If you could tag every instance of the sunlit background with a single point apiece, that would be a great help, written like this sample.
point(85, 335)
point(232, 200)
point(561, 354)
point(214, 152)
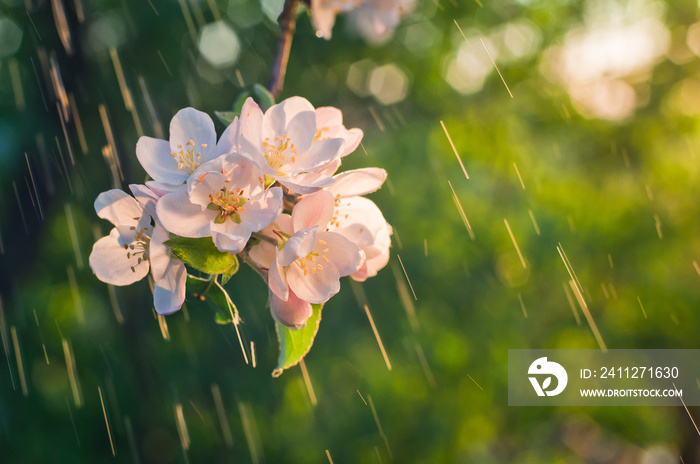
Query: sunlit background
point(576, 123)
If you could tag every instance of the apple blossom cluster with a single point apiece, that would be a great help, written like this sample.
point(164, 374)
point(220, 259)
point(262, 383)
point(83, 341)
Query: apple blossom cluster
point(373, 19)
point(267, 192)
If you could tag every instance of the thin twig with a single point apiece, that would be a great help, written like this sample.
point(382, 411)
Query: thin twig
point(287, 21)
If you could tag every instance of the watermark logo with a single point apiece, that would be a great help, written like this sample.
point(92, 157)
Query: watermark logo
point(541, 368)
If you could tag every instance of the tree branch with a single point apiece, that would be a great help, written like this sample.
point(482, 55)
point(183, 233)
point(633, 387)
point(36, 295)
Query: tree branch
point(287, 22)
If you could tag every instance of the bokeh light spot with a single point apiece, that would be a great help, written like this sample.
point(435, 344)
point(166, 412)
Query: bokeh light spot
point(219, 44)
point(10, 37)
point(389, 84)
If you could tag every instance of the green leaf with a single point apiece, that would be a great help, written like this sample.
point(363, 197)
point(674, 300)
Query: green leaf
point(263, 96)
point(294, 344)
point(226, 276)
point(205, 293)
point(240, 101)
point(201, 254)
point(226, 117)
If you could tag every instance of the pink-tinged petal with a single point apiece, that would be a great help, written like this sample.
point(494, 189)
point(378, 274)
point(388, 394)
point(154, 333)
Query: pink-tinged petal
point(345, 255)
point(315, 287)
point(330, 168)
point(362, 274)
point(161, 189)
point(299, 245)
point(180, 217)
point(157, 160)
point(277, 280)
point(313, 210)
point(327, 117)
point(323, 18)
point(306, 183)
point(251, 121)
point(358, 182)
point(360, 221)
point(169, 292)
point(118, 207)
point(263, 254)
point(158, 253)
point(228, 143)
point(228, 242)
point(318, 155)
point(193, 125)
point(111, 263)
point(261, 211)
point(292, 313)
point(370, 267)
point(282, 223)
point(353, 138)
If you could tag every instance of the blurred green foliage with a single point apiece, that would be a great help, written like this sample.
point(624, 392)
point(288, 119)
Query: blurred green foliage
point(620, 196)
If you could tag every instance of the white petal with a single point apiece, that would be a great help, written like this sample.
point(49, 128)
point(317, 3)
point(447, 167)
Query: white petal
point(300, 244)
point(318, 155)
point(159, 254)
point(306, 183)
point(330, 168)
point(260, 212)
point(146, 198)
point(161, 189)
point(251, 121)
point(345, 255)
point(228, 143)
point(179, 216)
point(118, 207)
point(253, 150)
point(277, 280)
point(277, 119)
point(228, 242)
point(314, 287)
point(110, 263)
point(358, 182)
point(191, 124)
point(169, 292)
point(292, 313)
point(301, 130)
point(156, 158)
point(313, 210)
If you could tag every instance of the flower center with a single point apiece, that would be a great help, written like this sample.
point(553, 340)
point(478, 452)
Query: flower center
point(319, 134)
point(188, 159)
point(308, 263)
point(228, 203)
point(279, 151)
point(139, 247)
